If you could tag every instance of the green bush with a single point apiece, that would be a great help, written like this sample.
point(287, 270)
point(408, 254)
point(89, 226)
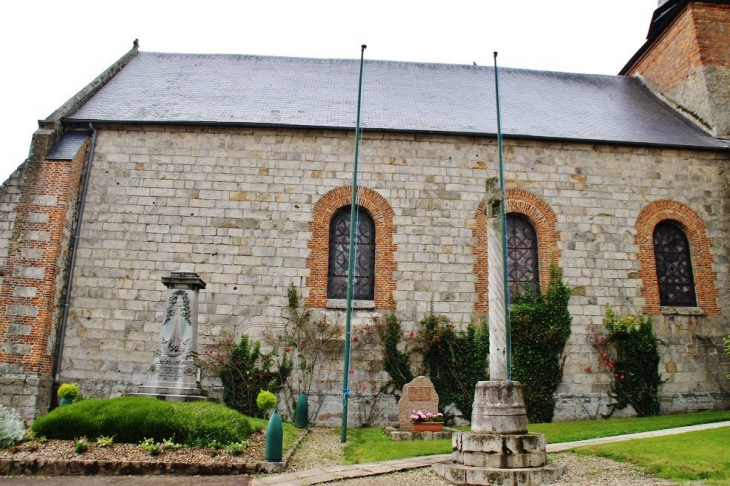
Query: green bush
point(133, 419)
point(266, 401)
point(246, 372)
point(396, 363)
point(540, 328)
point(454, 360)
point(633, 360)
point(68, 390)
point(727, 347)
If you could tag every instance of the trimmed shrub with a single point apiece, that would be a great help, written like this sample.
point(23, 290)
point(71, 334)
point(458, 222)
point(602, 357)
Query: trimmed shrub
point(133, 419)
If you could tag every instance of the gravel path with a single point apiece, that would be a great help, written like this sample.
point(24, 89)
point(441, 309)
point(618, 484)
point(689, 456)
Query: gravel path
point(323, 448)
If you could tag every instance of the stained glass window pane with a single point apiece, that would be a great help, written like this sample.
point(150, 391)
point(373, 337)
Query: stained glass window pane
point(673, 266)
point(522, 255)
point(339, 255)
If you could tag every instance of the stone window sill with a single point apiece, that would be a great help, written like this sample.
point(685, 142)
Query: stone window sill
point(682, 311)
point(356, 304)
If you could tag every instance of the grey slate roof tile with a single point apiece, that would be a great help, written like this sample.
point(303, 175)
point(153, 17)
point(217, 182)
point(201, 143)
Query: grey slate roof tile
point(400, 96)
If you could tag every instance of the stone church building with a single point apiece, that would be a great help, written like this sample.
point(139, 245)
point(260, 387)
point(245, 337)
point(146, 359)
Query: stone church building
point(238, 168)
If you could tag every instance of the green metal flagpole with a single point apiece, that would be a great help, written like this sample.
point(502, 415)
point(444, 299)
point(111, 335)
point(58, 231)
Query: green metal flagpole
point(351, 264)
point(503, 216)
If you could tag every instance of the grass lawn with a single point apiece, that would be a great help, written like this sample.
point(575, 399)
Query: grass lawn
point(569, 431)
point(703, 455)
point(371, 444)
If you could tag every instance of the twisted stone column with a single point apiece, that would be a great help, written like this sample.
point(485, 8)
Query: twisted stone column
point(497, 321)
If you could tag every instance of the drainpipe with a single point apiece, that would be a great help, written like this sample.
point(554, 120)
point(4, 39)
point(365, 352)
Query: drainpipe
point(72, 264)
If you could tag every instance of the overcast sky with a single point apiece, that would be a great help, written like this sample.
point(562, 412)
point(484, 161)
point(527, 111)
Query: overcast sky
point(51, 49)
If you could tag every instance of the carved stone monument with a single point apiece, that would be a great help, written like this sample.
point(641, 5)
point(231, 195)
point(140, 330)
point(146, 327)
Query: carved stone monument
point(498, 450)
point(419, 394)
point(174, 374)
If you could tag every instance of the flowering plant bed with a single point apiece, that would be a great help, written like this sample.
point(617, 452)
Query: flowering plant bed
point(417, 417)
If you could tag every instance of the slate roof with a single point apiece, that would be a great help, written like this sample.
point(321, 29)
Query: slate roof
point(397, 96)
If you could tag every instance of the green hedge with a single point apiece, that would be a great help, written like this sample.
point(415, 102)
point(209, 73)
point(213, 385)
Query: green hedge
point(132, 419)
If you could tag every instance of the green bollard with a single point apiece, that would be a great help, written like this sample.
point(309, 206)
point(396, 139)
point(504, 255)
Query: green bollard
point(274, 438)
point(302, 414)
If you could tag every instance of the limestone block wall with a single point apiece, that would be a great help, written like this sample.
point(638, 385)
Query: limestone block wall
point(9, 198)
point(238, 206)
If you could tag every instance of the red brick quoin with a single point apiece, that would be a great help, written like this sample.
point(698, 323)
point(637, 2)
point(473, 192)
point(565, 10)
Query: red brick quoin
point(540, 216)
point(696, 230)
point(29, 297)
point(382, 215)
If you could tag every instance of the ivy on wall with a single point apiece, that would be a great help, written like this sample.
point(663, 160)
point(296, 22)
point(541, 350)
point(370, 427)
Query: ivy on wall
point(540, 329)
point(631, 358)
point(727, 348)
point(454, 360)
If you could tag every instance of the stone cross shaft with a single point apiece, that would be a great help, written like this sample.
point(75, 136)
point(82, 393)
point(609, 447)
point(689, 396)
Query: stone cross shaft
point(495, 254)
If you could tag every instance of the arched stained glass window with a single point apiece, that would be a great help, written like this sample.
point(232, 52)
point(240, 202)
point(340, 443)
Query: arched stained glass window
point(522, 255)
point(339, 247)
point(673, 266)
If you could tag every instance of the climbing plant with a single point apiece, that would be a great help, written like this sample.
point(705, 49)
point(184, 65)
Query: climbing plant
point(396, 362)
point(540, 328)
point(245, 371)
point(454, 360)
point(629, 352)
point(727, 348)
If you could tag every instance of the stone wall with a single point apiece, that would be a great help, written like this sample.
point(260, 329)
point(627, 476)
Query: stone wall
point(237, 206)
point(9, 198)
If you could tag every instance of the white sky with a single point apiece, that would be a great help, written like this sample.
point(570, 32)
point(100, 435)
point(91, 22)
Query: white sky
point(51, 49)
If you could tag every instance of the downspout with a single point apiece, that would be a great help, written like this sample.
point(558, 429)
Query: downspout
point(72, 264)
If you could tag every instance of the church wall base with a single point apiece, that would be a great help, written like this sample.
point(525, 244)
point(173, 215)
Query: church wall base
point(28, 394)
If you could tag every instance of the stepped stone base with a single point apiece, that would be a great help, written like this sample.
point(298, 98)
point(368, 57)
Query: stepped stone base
point(396, 434)
point(499, 451)
point(461, 474)
point(173, 394)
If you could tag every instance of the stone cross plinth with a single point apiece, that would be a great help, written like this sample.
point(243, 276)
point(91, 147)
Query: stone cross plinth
point(498, 450)
point(173, 372)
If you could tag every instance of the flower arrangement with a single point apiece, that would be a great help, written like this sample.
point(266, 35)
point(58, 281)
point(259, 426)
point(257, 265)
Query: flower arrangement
point(418, 416)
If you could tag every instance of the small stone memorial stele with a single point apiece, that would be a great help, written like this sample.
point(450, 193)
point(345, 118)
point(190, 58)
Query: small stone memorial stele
point(173, 373)
point(419, 394)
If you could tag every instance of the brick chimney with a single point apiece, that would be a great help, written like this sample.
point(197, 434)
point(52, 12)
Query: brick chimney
point(686, 59)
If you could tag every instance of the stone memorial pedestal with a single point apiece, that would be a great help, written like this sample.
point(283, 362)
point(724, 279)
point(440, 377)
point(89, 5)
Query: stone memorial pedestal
point(174, 374)
point(499, 450)
point(419, 394)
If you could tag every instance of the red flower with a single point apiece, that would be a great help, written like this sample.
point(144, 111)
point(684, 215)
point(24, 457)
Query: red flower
point(355, 339)
point(411, 334)
point(364, 388)
point(261, 376)
point(287, 350)
point(352, 372)
point(589, 369)
point(622, 377)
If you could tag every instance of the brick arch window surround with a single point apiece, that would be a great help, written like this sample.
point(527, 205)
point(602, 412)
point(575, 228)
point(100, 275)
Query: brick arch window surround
point(542, 218)
point(699, 248)
point(317, 263)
